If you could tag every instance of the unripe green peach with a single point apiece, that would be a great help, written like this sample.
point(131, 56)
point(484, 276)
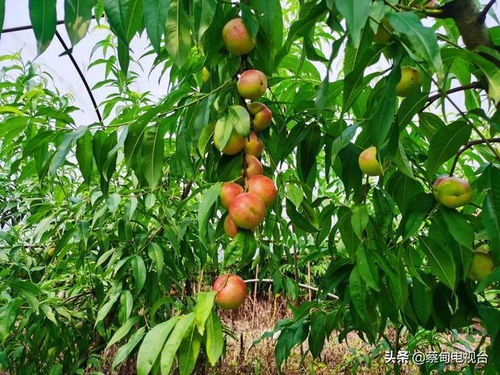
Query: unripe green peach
point(234, 145)
point(368, 162)
point(205, 74)
point(252, 84)
point(254, 166)
point(481, 266)
point(262, 116)
point(228, 192)
point(247, 211)
point(231, 291)
point(50, 251)
point(383, 34)
point(254, 146)
point(409, 82)
point(452, 191)
point(236, 37)
point(263, 187)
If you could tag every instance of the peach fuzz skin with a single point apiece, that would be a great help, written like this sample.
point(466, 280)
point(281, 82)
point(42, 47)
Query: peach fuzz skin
point(231, 291)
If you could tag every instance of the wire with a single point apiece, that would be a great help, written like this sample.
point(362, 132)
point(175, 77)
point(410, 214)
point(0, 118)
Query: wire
point(80, 73)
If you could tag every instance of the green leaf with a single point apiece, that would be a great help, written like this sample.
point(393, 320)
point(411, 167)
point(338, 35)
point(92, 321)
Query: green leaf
point(203, 16)
point(139, 272)
point(153, 344)
point(155, 252)
point(422, 301)
point(343, 140)
point(125, 17)
point(111, 298)
point(43, 19)
point(126, 306)
point(205, 209)
point(152, 152)
point(77, 16)
point(445, 143)
point(269, 14)
point(359, 219)
point(295, 194)
point(289, 337)
point(356, 14)
point(423, 39)
point(357, 292)
point(205, 137)
point(489, 69)
point(123, 56)
point(49, 313)
point(203, 308)
point(214, 342)
point(188, 352)
point(460, 229)
point(223, 130)
point(184, 324)
point(367, 269)
point(122, 331)
point(429, 124)
point(64, 148)
point(84, 155)
point(155, 17)
point(178, 38)
point(415, 214)
point(318, 332)
point(239, 119)
point(124, 351)
point(491, 219)
point(383, 118)
point(440, 261)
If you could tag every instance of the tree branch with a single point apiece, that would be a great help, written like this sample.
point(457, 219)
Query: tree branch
point(473, 85)
point(469, 22)
point(484, 12)
point(466, 147)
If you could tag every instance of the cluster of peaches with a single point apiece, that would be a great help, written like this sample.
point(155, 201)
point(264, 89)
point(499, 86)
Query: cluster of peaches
point(450, 191)
point(247, 202)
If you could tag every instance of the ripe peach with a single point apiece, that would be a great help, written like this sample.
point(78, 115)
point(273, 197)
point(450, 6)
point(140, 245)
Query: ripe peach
point(230, 227)
point(368, 162)
point(452, 192)
point(252, 84)
point(228, 192)
point(231, 291)
point(234, 145)
point(236, 37)
point(263, 187)
point(247, 211)
point(254, 146)
point(254, 166)
point(262, 116)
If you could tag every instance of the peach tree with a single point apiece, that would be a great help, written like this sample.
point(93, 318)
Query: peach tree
point(358, 134)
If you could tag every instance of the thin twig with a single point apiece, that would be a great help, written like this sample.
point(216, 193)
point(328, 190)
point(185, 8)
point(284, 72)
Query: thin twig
point(466, 147)
point(473, 85)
